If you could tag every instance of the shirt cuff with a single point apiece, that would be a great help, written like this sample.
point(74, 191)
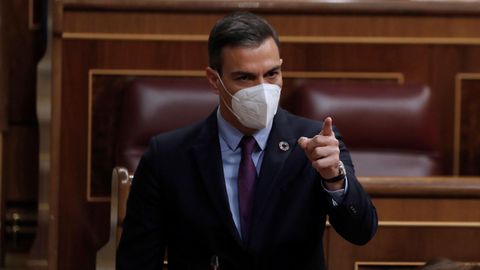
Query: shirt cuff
point(339, 194)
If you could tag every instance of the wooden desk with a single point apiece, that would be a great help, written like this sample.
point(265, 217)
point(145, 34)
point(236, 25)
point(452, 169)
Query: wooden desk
point(419, 219)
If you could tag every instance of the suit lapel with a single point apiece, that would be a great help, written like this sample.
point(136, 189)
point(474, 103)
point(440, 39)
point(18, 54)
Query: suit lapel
point(273, 162)
point(208, 157)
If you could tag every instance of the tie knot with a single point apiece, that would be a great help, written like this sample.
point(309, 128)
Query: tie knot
point(247, 144)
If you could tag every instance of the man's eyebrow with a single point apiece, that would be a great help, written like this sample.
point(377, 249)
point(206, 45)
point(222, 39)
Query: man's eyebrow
point(245, 73)
point(241, 73)
point(276, 68)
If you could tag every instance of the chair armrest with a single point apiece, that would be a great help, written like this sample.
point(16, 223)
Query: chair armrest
point(121, 182)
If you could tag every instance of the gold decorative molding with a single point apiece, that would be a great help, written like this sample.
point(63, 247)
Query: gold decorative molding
point(441, 224)
point(422, 187)
point(146, 37)
point(145, 72)
point(427, 7)
point(359, 264)
point(457, 116)
point(381, 40)
point(283, 39)
point(425, 224)
point(396, 76)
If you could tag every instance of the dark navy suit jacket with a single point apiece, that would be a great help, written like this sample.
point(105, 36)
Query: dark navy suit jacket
point(178, 201)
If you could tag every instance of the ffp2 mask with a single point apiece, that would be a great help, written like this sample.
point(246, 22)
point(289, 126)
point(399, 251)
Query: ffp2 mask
point(255, 106)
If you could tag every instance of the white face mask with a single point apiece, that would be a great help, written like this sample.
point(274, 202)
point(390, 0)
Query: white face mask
point(254, 106)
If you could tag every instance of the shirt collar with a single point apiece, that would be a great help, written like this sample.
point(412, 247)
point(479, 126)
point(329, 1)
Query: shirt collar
point(232, 136)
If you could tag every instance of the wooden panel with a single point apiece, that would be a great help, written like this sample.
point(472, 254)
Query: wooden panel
point(302, 6)
point(425, 187)
point(428, 210)
point(403, 243)
point(469, 152)
point(159, 22)
point(417, 64)
point(104, 103)
point(414, 225)
point(156, 24)
point(81, 57)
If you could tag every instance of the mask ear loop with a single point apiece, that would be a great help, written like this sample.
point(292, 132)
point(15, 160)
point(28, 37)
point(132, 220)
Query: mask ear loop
point(223, 99)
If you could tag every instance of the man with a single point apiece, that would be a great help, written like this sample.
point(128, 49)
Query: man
point(250, 186)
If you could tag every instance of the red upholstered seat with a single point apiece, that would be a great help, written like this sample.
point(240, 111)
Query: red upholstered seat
point(388, 128)
point(155, 105)
point(149, 106)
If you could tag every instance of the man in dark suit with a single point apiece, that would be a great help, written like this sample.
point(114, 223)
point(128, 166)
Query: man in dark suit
point(250, 186)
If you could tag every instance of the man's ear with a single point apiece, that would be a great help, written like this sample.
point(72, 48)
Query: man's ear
point(213, 80)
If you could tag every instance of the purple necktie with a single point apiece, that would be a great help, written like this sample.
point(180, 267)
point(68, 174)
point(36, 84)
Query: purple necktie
point(247, 174)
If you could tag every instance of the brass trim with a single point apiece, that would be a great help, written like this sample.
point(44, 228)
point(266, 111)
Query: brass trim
point(91, 198)
point(435, 224)
point(358, 264)
point(147, 72)
point(457, 117)
point(31, 24)
point(285, 39)
point(146, 37)
point(398, 77)
point(381, 40)
point(443, 224)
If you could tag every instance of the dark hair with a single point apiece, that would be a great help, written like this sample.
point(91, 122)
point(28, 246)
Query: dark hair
point(237, 29)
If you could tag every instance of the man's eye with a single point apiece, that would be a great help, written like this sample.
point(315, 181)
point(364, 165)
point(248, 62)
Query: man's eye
point(272, 74)
point(242, 78)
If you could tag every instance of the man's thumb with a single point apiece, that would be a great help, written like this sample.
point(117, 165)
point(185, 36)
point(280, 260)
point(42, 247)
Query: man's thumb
point(302, 141)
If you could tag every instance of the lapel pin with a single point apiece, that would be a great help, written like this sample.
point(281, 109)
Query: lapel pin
point(284, 146)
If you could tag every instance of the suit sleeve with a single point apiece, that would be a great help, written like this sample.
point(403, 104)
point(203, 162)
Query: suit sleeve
point(355, 219)
point(142, 244)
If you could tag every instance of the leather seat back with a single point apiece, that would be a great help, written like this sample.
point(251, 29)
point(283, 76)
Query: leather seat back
point(155, 105)
point(389, 129)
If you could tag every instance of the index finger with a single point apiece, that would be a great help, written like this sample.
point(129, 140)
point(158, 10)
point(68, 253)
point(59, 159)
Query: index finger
point(327, 129)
